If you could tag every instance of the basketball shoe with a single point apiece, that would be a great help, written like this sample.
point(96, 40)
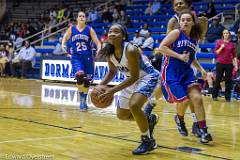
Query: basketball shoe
point(147, 145)
point(152, 120)
point(181, 126)
point(148, 108)
point(196, 130)
point(205, 136)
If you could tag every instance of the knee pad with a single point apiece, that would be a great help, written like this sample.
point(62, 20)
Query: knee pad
point(79, 76)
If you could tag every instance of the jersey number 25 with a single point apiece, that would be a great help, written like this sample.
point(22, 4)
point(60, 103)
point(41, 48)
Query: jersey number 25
point(81, 46)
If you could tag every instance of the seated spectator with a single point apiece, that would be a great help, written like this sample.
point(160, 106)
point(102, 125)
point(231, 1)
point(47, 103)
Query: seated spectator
point(236, 26)
point(19, 41)
point(123, 18)
point(11, 51)
point(211, 78)
point(148, 10)
point(116, 16)
point(144, 31)
point(24, 60)
point(137, 40)
point(106, 15)
point(92, 15)
point(211, 12)
point(3, 60)
point(215, 30)
point(104, 37)
point(155, 6)
point(58, 51)
point(148, 43)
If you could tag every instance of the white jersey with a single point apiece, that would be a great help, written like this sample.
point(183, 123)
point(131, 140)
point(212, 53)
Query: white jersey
point(122, 65)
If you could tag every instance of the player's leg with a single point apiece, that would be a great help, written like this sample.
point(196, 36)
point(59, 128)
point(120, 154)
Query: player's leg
point(197, 101)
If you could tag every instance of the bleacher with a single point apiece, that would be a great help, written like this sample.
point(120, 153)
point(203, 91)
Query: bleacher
point(157, 25)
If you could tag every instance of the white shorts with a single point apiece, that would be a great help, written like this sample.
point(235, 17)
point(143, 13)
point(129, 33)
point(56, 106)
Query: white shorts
point(144, 85)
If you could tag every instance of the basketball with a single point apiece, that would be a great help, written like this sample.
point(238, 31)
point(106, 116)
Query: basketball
point(94, 95)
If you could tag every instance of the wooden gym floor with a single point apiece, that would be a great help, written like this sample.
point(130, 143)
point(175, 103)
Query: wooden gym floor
point(41, 120)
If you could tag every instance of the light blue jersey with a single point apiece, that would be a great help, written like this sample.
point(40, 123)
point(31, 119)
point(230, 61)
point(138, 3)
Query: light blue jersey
point(147, 82)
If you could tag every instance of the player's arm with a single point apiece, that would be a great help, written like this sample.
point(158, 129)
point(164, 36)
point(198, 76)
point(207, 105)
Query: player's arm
point(197, 65)
point(66, 38)
point(168, 41)
point(172, 23)
point(133, 66)
point(110, 74)
point(203, 22)
point(95, 39)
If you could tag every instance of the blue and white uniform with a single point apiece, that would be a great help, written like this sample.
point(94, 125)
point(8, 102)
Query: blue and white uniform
point(177, 76)
point(148, 78)
point(80, 48)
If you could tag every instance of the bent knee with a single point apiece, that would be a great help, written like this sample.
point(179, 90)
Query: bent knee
point(196, 97)
point(123, 116)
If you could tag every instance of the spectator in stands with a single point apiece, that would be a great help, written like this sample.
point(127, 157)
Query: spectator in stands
point(238, 44)
point(144, 31)
point(106, 15)
point(58, 51)
point(3, 59)
point(19, 41)
point(148, 10)
point(104, 37)
point(52, 12)
point(148, 43)
point(236, 26)
point(92, 15)
point(155, 7)
point(123, 18)
point(211, 12)
point(68, 13)
point(116, 15)
point(215, 30)
point(11, 51)
point(211, 78)
point(118, 6)
point(137, 40)
point(24, 60)
point(60, 14)
point(226, 58)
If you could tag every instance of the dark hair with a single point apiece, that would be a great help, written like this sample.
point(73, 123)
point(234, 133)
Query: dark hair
point(123, 29)
point(196, 29)
point(106, 51)
point(188, 2)
point(108, 48)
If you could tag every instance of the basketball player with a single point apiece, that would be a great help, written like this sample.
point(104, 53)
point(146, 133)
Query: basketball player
point(178, 7)
point(178, 81)
point(141, 80)
point(79, 38)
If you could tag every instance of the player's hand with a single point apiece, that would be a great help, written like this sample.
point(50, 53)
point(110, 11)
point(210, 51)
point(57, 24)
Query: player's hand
point(64, 48)
point(157, 51)
point(184, 57)
point(108, 93)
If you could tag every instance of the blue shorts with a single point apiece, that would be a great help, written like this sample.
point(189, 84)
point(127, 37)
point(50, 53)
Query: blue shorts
point(85, 63)
point(175, 83)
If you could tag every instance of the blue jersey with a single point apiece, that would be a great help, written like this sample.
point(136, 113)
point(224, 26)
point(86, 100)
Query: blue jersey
point(183, 43)
point(178, 76)
point(80, 42)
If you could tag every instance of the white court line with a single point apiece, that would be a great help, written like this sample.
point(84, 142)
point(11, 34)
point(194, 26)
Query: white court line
point(39, 139)
point(23, 94)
